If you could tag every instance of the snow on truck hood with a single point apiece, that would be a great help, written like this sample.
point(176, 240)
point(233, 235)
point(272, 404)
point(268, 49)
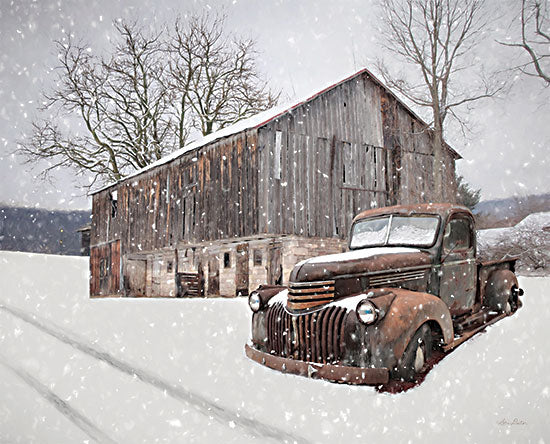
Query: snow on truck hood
point(363, 253)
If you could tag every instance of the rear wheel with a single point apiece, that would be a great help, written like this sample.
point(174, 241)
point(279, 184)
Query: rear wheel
point(416, 355)
point(514, 301)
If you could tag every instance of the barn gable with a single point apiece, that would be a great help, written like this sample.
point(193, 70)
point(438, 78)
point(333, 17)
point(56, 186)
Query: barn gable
point(350, 148)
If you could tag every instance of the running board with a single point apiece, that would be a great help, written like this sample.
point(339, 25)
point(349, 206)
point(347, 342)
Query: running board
point(470, 333)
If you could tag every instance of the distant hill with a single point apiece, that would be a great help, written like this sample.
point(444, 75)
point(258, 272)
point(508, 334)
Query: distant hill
point(508, 212)
point(41, 231)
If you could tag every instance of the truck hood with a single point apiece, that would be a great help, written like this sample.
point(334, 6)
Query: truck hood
point(364, 260)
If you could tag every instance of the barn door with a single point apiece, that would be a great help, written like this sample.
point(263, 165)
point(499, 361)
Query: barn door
point(156, 275)
point(105, 269)
point(396, 176)
point(114, 284)
point(213, 276)
point(274, 265)
point(135, 277)
point(241, 271)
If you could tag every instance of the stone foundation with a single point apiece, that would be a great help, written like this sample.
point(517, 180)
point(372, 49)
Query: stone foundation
point(224, 268)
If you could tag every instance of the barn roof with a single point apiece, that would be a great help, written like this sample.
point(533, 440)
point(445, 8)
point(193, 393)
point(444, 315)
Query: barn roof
point(259, 120)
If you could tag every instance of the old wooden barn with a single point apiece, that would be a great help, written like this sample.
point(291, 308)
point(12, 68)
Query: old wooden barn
point(241, 206)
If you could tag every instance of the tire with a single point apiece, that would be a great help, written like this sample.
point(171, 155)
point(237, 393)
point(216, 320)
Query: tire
point(514, 300)
point(416, 355)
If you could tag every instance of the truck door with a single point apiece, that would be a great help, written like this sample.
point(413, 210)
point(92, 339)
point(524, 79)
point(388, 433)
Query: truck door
point(458, 268)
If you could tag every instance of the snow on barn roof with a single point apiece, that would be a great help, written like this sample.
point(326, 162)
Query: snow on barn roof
point(259, 120)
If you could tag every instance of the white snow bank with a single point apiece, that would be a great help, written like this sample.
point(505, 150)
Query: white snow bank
point(492, 236)
point(532, 224)
point(535, 221)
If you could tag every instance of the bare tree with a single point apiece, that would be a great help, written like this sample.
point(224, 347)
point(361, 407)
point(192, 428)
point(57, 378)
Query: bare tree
point(120, 104)
point(535, 38)
point(144, 100)
point(215, 74)
point(436, 38)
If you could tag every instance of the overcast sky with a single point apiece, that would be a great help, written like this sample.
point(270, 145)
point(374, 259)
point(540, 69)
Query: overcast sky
point(304, 46)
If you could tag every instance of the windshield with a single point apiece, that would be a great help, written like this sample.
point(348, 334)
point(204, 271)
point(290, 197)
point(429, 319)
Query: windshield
point(417, 231)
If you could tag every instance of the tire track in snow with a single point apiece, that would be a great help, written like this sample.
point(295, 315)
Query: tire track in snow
point(77, 418)
point(199, 402)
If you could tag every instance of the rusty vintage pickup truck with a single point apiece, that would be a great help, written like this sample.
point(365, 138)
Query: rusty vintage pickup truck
point(410, 284)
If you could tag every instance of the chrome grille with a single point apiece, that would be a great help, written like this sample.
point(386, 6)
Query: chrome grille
point(313, 337)
point(303, 295)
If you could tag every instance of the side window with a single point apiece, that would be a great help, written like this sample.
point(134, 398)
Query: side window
point(257, 257)
point(277, 155)
point(458, 235)
point(114, 204)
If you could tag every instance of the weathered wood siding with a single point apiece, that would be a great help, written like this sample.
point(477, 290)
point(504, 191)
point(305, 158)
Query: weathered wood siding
point(207, 194)
point(351, 148)
point(105, 269)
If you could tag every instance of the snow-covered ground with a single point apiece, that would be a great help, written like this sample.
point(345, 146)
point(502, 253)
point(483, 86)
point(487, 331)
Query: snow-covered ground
point(144, 371)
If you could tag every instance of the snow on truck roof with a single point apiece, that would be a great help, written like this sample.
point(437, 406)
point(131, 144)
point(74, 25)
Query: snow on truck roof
point(259, 120)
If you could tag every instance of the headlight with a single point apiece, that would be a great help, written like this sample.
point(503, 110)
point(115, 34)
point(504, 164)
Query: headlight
point(254, 301)
point(366, 312)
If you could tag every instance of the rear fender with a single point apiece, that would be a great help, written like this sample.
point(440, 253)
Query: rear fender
point(498, 289)
point(389, 337)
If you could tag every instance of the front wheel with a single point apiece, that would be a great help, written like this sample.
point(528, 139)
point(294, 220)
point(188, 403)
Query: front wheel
point(416, 355)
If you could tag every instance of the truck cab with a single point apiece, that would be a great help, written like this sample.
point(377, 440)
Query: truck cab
point(445, 233)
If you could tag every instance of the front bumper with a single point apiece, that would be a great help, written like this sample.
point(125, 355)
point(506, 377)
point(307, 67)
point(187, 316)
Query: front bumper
point(329, 372)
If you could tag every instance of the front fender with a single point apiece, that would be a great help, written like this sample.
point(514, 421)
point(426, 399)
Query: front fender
point(266, 292)
point(259, 333)
point(389, 337)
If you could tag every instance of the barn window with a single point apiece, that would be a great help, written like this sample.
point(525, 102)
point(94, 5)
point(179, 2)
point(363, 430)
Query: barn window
point(193, 220)
point(277, 155)
point(226, 260)
point(114, 203)
point(257, 257)
point(183, 222)
point(225, 174)
point(375, 168)
point(349, 162)
point(168, 190)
